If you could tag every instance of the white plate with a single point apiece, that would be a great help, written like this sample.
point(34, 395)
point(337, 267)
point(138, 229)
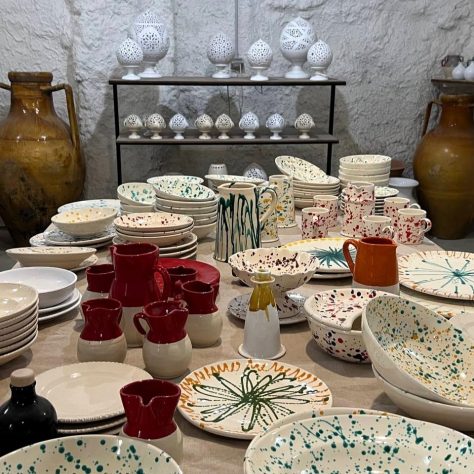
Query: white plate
point(330, 276)
point(183, 244)
point(75, 295)
point(185, 178)
point(18, 322)
point(54, 236)
point(83, 428)
point(152, 222)
point(114, 203)
point(240, 398)
point(162, 240)
point(218, 179)
point(88, 391)
point(18, 341)
point(88, 262)
point(18, 352)
point(59, 313)
point(61, 257)
point(8, 334)
point(186, 253)
point(39, 240)
point(16, 299)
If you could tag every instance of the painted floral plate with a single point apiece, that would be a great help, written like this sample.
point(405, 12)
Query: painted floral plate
point(440, 273)
point(327, 250)
point(360, 444)
point(241, 398)
point(301, 170)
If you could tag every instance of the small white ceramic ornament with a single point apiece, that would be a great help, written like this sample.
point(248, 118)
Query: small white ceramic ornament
point(130, 56)
point(469, 72)
point(220, 52)
point(204, 124)
point(178, 124)
point(295, 41)
point(458, 71)
point(260, 57)
point(155, 123)
point(275, 123)
point(319, 58)
point(224, 124)
point(249, 123)
point(154, 45)
point(304, 123)
point(133, 123)
point(142, 21)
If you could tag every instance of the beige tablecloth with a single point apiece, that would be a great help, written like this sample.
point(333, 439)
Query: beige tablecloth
point(352, 385)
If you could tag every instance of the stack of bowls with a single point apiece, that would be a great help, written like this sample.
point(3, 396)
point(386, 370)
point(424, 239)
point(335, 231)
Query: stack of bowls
point(136, 197)
point(171, 232)
point(422, 361)
point(381, 192)
point(178, 196)
point(369, 168)
point(18, 320)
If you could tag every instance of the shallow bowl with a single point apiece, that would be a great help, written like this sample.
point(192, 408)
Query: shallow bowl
point(186, 179)
point(84, 222)
point(130, 208)
point(136, 194)
point(366, 162)
point(54, 256)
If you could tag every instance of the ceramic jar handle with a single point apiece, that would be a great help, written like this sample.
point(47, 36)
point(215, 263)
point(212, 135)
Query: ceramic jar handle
point(347, 254)
point(137, 318)
point(5, 86)
point(272, 206)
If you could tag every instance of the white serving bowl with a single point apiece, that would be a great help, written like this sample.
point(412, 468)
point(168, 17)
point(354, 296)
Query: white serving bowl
point(456, 417)
point(366, 162)
point(418, 351)
point(84, 222)
point(113, 453)
point(53, 285)
point(136, 194)
point(61, 257)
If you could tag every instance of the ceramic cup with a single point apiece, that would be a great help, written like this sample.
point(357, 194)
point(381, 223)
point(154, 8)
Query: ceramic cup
point(377, 226)
point(314, 222)
point(412, 226)
point(359, 191)
point(393, 204)
point(328, 202)
point(179, 275)
point(354, 212)
point(286, 202)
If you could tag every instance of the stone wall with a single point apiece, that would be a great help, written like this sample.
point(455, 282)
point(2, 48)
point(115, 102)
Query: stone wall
point(386, 51)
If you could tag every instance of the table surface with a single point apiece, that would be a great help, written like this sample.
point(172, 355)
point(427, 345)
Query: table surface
point(352, 385)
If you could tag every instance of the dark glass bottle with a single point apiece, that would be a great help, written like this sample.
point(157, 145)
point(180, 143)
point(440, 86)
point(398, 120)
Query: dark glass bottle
point(26, 418)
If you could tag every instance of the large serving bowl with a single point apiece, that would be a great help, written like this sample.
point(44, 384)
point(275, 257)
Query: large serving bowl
point(418, 351)
point(84, 222)
point(456, 417)
point(90, 453)
point(289, 269)
point(360, 443)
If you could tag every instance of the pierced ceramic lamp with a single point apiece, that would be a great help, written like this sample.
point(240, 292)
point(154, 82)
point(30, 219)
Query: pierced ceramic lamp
point(249, 124)
point(275, 123)
point(260, 57)
point(130, 56)
point(220, 52)
point(319, 58)
point(155, 123)
point(133, 123)
point(204, 124)
point(224, 124)
point(178, 124)
point(155, 45)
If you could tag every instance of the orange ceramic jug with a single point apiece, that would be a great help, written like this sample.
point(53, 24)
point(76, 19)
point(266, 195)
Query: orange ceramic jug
point(375, 265)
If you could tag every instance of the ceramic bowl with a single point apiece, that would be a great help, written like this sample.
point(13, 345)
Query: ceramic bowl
point(456, 417)
point(218, 179)
point(202, 231)
point(84, 222)
point(360, 443)
point(405, 186)
point(147, 222)
point(366, 162)
point(136, 194)
point(191, 205)
point(92, 453)
point(362, 177)
point(289, 269)
point(139, 208)
point(61, 257)
point(53, 285)
point(418, 351)
point(181, 191)
point(186, 179)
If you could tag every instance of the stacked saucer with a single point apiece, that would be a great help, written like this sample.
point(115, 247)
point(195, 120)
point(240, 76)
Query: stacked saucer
point(135, 197)
point(381, 192)
point(369, 168)
point(189, 199)
point(18, 320)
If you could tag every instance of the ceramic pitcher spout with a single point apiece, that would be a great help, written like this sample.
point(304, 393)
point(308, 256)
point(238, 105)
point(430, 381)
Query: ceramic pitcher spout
point(200, 297)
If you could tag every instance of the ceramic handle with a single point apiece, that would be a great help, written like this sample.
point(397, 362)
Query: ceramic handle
point(167, 286)
point(137, 322)
point(388, 231)
point(426, 120)
point(347, 254)
point(414, 206)
point(272, 206)
point(5, 86)
point(428, 224)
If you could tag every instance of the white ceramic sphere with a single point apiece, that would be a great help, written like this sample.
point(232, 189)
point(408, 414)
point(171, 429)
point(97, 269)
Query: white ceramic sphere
point(204, 123)
point(320, 55)
point(304, 122)
point(249, 121)
point(260, 54)
point(133, 122)
point(178, 123)
point(296, 39)
point(155, 122)
point(129, 53)
point(224, 123)
point(275, 122)
point(220, 49)
point(153, 44)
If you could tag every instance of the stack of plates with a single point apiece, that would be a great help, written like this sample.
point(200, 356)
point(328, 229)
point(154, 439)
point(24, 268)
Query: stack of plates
point(18, 320)
point(55, 237)
point(369, 168)
point(171, 232)
point(136, 197)
point(55, 288)
point(190, 199)
point(381, 192)
point(86, 396)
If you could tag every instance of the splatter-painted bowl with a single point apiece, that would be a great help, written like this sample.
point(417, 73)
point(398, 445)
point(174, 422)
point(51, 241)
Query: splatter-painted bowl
point(136, 194)
point(360, 443)
point(418, 351)
point(89, 453)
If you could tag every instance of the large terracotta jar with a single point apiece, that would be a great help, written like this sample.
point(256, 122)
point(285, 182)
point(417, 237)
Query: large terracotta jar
point(444, 166)
point(41, 166)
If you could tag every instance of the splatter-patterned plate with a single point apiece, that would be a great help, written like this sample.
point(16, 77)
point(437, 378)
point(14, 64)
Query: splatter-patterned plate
point(360, 444)
point(444, 273)
point(241, 398)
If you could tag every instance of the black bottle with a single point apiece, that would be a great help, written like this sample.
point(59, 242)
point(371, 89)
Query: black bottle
point(26, 418)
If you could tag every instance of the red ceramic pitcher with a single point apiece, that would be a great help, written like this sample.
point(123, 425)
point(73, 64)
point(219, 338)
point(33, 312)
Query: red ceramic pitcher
point(179, 275)
point(102, 317)
point(199, 296)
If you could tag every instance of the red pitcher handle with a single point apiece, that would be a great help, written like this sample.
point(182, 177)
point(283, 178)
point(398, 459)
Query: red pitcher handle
point(347, 254)
point(167, 286)
point(136, 321)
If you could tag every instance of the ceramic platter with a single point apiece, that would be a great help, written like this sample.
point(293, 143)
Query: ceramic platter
point(444, 273)
point(360, 444)
point(88, 391)
point(301, 170)
point(328, 251)
point(241, 398)
point(72, 206)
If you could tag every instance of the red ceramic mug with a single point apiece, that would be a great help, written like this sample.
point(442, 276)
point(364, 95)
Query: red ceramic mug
point(200, 297)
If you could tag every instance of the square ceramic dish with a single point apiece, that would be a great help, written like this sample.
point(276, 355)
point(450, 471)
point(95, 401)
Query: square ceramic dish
point(84, 222)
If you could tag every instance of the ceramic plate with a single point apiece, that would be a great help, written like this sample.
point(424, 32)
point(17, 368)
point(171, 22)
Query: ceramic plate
point(39, 240)
point(180, 191)
point(19, 327)
point(358, 444)
point(88, 391)
point(186, 253)
point(18, 352)
point(185, 243)
point(354, 161)
point(186, 179)
point(18, 322)
point(12, 345)
point(56, 237)
point(82, 428)
point(136, 193)
point(219, 179)
point(339, 308)
point(330, 276)
point(328, 251)
point(62, 257)
point(166, 239)
point(91, 454)
point(20, 335)
point(16, 299)
point(240, 398)
point(381, 192)
point(301, 170)
point(152, 222)
point(76, 295)
point(88, 262)
point(114, 203)
point(443, 273)
point(59, 313)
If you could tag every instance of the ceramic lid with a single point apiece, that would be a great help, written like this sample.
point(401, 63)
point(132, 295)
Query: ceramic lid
point(22, 378)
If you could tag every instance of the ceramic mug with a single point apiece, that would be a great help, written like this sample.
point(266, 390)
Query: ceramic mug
point(412, 226)
point(269, 231)
point(377, 226)
point(314, 222)
point(286, 202)
point(352, 221)
point(393, 204)
point(359, 191)
point(328, 202)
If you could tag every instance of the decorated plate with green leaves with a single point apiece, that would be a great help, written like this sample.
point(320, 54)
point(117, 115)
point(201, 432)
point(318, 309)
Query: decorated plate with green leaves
point(241, 398)
point(327, 250)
